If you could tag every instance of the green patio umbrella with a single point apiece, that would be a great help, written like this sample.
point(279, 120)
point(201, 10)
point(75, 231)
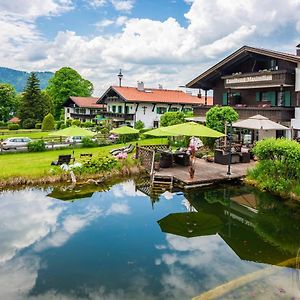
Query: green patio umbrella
point(159, 132)
point(187, 129)
point(70, 195)
point(124, 130)
point(72, 131)
point(190, 224)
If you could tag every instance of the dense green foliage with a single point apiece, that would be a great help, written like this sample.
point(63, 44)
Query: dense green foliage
point(36, 146)
point(172, 118)
point(48, 123)
point(13, 126)
point(8, 102)
point(278, 169)
point(76, 123)
point(217, 116)
point(88, 142)
point(34, 103)
point(38, 125)
point(98, 164)
point(19, 78)
point(65, 83)
point(139, 125)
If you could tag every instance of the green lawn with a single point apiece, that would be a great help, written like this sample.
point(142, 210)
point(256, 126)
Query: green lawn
point(33, 134)
point(34, 165)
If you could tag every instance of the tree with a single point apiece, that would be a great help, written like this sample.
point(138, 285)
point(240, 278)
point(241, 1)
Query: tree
point(217, 116)
point(31, 106)
point(172, 118)
point(139, 125)
point(8, 103)
point(67, 82)
point(48, 123)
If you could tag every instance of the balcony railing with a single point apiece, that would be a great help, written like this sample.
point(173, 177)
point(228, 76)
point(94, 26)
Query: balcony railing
point(259, 79)
point(128, 117)
point(276, 114)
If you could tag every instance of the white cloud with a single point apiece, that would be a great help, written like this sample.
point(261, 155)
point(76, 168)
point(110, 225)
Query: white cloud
point(119, 5)
point(156, 52)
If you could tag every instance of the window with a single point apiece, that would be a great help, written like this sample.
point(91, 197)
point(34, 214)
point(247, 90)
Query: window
point(155, 124)
point(120, 109)
point(173, 109)
point(161, 110)
point(68, 110)
point(126, 109)
point(187, 109)
point(113, 108)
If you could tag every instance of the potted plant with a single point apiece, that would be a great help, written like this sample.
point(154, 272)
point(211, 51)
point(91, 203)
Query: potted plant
point(156, 161)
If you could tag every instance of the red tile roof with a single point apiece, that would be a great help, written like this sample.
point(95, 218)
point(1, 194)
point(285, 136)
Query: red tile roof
point(159, 95)
point(14, 120)
point(88, 102)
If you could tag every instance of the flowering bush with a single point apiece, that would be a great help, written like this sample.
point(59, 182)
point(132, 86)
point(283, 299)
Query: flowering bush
point(121, 155)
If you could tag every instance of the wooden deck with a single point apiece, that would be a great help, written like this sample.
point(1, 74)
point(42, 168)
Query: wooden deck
point(205, 173)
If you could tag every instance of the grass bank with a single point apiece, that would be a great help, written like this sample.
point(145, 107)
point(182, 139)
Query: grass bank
point(21, 168)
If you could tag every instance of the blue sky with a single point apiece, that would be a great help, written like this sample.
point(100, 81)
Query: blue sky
point(166, 42)
point(83, 17)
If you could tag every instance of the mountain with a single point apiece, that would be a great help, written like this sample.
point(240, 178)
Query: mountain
point(18, 78)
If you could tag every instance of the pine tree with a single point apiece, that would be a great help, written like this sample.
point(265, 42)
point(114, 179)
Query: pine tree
point(32, 106)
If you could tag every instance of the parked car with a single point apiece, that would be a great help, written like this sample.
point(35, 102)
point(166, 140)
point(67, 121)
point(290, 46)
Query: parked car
point(76, 139)
point(15, 142)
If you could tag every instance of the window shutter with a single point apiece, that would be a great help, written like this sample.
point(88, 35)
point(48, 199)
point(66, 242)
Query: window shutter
point(257, 96)
point(271, 96)
point(287, 98)
point(225, 99)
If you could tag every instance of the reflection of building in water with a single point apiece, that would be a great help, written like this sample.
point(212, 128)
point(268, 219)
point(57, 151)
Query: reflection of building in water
point(246, 221)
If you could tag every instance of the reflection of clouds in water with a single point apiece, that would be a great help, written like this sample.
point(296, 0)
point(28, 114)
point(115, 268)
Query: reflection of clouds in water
point(18, 276)
point(126, 189)
point(201, 257)
point(29, 218)
point(168, 195)
point(24, 220)
point(118, 209)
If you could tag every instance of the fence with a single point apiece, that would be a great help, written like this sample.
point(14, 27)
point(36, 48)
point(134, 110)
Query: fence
point(146, 155)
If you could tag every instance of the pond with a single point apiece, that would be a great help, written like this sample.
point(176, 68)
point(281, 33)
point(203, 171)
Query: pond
point(124, 242)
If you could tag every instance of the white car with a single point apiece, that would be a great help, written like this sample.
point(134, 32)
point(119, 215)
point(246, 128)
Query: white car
point(76, 139)
point(15, 142)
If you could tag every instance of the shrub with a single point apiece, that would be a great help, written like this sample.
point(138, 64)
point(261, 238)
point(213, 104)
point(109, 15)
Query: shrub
point(28, 123)
point(48, 123)
point(172, 118)
point(2, 124)
point(36, 146)
point(278, 169)
point(98, 165)
point(38, 125)
point(139, 125)
point(68, 122)
point(13, 126)
point(104, 130)
point(76, 123)
point(58, 124)
point(124, 138)
point(63, 126)
point(88, 124)
point(87, 142)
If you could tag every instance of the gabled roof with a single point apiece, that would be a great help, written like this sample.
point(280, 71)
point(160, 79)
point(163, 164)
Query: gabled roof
point(132, 94)
point(86, 102)
point(245, 49)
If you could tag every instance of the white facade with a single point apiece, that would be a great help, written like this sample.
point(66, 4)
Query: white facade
point(148, 113)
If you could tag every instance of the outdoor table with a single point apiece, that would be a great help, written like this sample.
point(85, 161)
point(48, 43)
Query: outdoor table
point(168, 158)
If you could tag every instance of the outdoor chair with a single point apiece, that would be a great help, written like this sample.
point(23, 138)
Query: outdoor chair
point(62, 159)
point(166, 160)
point(129, 149)
point(182, 159)
point(222, 157)
point(118, 150)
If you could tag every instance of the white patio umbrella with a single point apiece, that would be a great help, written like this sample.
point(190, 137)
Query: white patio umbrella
point(259, 122)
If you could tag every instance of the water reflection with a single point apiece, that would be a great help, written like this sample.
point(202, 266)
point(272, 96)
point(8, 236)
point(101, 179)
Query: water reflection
point(110, 246)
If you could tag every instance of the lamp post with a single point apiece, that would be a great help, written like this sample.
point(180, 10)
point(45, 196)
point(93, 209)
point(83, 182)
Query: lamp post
point(229, 132)
point(120, 75)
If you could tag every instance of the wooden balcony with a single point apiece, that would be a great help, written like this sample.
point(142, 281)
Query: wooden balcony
point(259, 79)
point(276, 114)
point(118, 116)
